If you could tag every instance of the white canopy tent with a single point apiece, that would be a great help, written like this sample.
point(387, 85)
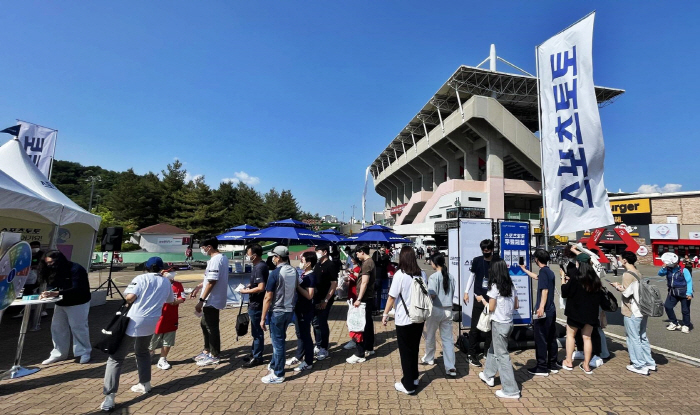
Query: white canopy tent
point(73, 231)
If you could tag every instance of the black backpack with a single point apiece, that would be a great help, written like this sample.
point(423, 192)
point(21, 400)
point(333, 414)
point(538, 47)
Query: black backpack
point(610, 302)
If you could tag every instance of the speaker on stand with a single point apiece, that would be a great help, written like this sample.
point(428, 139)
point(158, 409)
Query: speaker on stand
point(111, 241)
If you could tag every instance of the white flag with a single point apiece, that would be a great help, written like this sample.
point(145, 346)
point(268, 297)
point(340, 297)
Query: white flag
point(39, 143)
point(572, 139)
point(364, 197)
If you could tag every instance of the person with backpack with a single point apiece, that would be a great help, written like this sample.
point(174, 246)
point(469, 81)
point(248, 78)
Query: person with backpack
point(680, 290)
point(503, 300)
point(441, 286)
point(635, 321)
point(408, 316)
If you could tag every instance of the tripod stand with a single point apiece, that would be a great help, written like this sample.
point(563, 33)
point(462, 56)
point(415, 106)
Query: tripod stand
point(111, 285)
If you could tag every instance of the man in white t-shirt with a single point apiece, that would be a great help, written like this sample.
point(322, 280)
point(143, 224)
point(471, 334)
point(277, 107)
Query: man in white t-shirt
point(212, 300)
point(146, 293)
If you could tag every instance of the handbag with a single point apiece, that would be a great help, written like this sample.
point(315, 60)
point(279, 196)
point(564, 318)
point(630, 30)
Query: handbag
point(113, 334)
point(610, 302)
point(356, 317)
point(484, 321)
point(242, 321)
point(456, 312)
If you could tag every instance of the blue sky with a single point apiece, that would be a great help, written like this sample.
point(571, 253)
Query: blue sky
point(304, 95)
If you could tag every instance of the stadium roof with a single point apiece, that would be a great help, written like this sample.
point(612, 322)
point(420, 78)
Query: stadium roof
point(517, 93)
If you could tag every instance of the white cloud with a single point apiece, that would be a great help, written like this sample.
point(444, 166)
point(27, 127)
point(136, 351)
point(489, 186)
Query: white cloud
point(655, 188)
point(189, 177)
point(243, 177)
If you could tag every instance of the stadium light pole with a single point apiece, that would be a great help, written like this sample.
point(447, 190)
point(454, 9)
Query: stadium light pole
point(92, 179)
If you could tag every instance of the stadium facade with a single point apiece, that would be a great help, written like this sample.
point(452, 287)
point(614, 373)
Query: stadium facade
point(471, 151)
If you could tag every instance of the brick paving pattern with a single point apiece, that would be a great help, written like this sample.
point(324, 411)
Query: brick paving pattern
point(333, 386)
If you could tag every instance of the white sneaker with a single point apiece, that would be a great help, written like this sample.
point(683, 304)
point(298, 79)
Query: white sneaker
point(596, 362)
point(272, 379)
point(52, 360)
point(291, 362)
point(500, 394)
point(399, 387)
point(577, 355)
point(369, 353)
point(108, 403)
point(643, 371)
point(685, 329)
point(303, 366)
point(200, 356)
point(350, 345)
point(427, 362)
point(209, 360)
point(85, 359)
point(673, 326)
point(651, 368)
point(316, 350)
point(142, 388)
point(322, 354)
point(488, 381)
point(355, 359)
point(163, 364)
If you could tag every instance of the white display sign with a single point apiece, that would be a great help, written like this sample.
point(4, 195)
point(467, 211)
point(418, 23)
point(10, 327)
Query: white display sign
point(572, 138)
point(453, 252)
point(39, 143)
point(170, 241)
point(471, 233)
point(663, 231)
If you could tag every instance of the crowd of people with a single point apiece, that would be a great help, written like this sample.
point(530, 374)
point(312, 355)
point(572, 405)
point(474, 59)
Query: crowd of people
point(280, 293)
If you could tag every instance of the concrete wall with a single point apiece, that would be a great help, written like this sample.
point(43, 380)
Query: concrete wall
point(687, 209)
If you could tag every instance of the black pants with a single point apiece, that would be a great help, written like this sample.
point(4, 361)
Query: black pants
point(367, 343)
point(475, 335)
point(545, 340)
point(210, 330)
point(408, 341)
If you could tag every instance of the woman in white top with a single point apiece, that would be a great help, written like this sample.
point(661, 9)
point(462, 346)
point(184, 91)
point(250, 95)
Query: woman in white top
point(408, 334)
point(635, 322)
point(441, 287)
point(502, 302)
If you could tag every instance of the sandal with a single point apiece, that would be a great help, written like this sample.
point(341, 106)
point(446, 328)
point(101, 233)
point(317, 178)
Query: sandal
point(565, 367)
point(589, 372)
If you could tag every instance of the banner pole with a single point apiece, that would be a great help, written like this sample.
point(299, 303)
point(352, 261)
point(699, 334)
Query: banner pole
point(53, 157)
point(539, 122)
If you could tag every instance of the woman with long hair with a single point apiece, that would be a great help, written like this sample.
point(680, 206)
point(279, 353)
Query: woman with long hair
point(441, 287)
point(502, 302)
point(70, 315)
point(408, 334)
point(583, 295)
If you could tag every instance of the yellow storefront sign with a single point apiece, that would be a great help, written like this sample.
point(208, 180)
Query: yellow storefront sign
point(629, 207)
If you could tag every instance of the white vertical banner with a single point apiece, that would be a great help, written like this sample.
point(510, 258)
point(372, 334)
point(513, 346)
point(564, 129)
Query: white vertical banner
point(571, 135)
point(39, 143)
point(471, 233)
point(364, 196)
point(453, 266)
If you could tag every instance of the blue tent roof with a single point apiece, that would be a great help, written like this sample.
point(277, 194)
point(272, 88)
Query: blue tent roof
point(237, 234)
point(377, 228)
point(285, 233)
point(376, 236)
point(288, 222)
point(246, 227)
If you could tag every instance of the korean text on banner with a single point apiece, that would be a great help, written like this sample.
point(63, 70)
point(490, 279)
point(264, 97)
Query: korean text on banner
point(39, 143)
point(471, 233)
point(515, 244)
point(572, 138)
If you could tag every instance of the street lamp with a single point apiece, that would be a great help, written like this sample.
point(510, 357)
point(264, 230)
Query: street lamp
point(92, 180)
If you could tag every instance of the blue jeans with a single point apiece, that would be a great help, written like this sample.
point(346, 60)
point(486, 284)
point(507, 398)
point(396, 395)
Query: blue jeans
point(278, 334)
point(305, 346)
point(320, 322)
point(257, 333)
point(498, 358)
point(671, 302)
point(637, 342)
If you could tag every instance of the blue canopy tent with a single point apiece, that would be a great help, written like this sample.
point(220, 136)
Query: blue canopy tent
point(376, 234)
point(286, 231)
point(333, 236)
point(237, 234)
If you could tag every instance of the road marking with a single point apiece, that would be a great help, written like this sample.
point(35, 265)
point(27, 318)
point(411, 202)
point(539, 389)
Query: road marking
point(679, 356)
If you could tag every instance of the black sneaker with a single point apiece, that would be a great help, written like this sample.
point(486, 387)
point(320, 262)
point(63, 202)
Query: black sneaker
point(473, 361)
point(555, 367)
point(536, 371)
point(253, 363)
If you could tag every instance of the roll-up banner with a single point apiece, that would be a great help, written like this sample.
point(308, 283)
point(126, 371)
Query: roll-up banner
point(515, 249)
point(471, 233)
point(573, 151)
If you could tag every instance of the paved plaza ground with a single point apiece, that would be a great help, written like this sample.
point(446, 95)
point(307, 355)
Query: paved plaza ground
point(333, 386)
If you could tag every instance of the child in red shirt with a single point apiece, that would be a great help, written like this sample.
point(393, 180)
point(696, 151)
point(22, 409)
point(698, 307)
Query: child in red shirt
point(164, 336)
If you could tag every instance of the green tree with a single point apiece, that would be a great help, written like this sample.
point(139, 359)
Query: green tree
point(173, 181)
point(250, 207)
point(227, 194)
point(287, 206)
point(197, 210)
point(136, 198)
point(272, 205)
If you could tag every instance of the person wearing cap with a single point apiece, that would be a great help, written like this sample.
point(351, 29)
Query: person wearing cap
point(147, 293)
point(326, 282)
point(164, 337)
point(680, 290)
point(280, 298)
point(212, 301)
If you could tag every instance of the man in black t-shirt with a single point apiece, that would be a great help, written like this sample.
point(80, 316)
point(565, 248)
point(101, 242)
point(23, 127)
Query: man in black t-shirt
point(480, 270)
point(256, 295)
point(326, 282)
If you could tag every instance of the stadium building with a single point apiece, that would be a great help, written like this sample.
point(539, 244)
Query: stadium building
point(470, 152)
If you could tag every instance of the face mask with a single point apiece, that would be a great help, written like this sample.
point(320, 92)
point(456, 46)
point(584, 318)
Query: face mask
point(319, 255)
point(488, 255)
point(247, 258)
point(35, 250)
point(203, 251)
point(170, 275)
point(51, 265)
